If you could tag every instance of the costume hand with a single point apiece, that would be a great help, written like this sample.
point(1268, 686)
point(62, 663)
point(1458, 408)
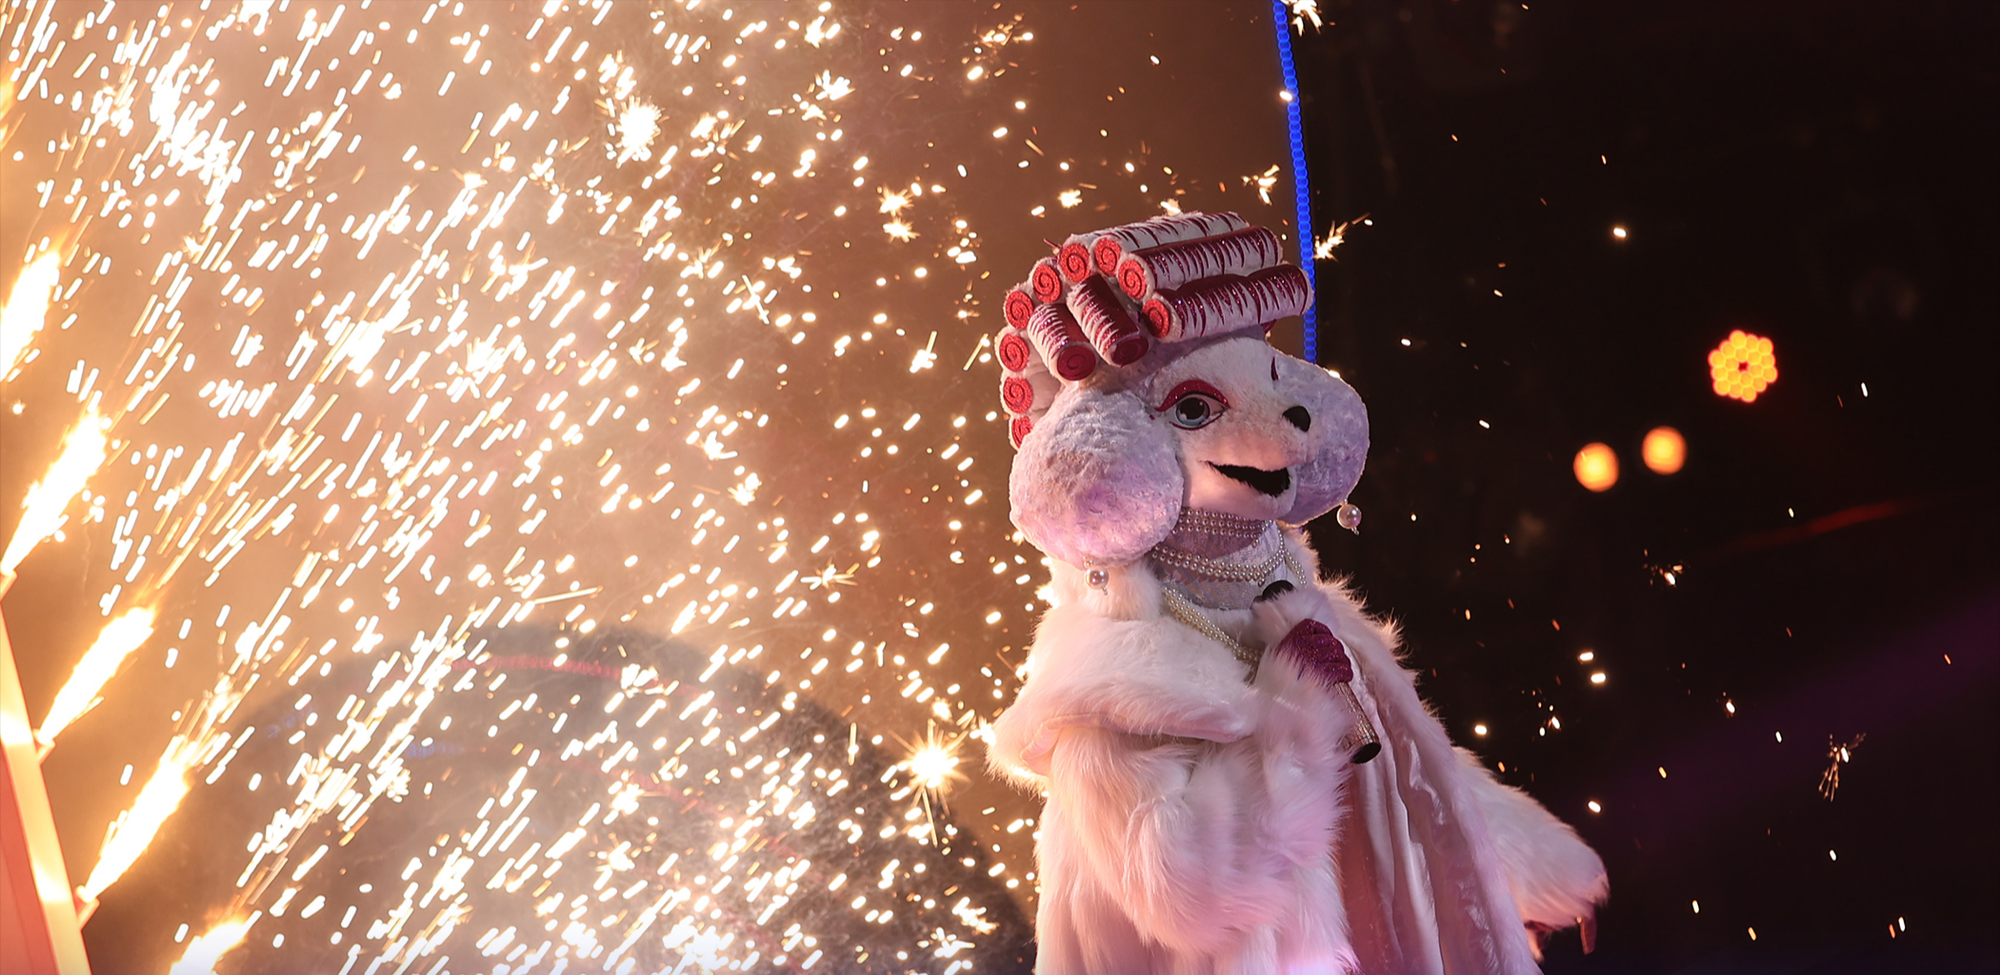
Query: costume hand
point(1278, 615)
point(1301, 651)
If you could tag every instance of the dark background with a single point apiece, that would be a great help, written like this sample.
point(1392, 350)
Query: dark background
point(1820, 174)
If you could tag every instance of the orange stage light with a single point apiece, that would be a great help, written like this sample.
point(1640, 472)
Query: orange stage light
point(1664, 450)
point(1742, 366)
point(1596, 467)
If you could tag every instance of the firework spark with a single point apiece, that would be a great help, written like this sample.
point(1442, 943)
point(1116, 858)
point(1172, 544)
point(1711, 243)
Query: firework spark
point(79, 694)
point(135, 830)
point(207, 949)
point(549, 497)
point(27, 306)
point(82, 454)
point(1837, 754)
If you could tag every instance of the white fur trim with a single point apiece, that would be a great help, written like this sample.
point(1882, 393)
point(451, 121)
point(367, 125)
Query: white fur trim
point(1198, 824)
point(1147, 676)
point(1555, 876)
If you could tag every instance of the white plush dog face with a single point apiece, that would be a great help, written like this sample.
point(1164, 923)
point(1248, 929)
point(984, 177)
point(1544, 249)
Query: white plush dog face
point(1239, 427)
point(1233, 426)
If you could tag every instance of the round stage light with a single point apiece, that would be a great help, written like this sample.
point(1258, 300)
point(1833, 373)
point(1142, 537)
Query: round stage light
point(1596, 467)
point(1664, 450)
point(1743, 366)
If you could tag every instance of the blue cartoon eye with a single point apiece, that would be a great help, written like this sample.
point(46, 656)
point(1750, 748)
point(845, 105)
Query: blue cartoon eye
point(1195, 411)
point(1194, 404)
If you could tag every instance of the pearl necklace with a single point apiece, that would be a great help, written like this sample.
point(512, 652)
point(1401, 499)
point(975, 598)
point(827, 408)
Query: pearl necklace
point(1219, 523)
point(1181, 609)
point(1183, 574)
point(1220, 561)
point(1191, 581)
point(1217, 568)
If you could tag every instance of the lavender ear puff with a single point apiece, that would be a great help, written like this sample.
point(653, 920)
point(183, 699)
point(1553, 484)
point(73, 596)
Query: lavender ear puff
point(1097, 482)
point(1324, 481)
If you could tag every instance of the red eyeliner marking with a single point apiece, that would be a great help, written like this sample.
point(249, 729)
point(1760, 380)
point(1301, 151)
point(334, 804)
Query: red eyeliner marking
point(1191, 386)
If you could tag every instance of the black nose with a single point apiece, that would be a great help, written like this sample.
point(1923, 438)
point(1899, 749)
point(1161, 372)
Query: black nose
point(1300, 418)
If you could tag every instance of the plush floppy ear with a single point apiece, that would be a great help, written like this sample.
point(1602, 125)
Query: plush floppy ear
point(1339, 436)
point(1097, 481)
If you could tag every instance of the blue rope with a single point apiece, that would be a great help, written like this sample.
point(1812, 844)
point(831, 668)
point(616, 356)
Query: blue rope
point(1281, 16)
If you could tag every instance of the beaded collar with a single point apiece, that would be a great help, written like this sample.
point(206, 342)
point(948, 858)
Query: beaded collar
point(1223, 562)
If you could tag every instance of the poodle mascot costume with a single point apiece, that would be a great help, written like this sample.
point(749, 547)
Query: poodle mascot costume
point(1240, 777)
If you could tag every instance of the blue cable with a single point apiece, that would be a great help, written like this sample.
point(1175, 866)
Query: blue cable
point(1280, 16)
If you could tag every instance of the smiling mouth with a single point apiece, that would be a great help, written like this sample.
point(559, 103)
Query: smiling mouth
point(1273, 483)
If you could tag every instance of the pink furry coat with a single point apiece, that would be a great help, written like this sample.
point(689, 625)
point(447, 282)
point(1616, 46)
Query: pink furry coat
point(1200, 824)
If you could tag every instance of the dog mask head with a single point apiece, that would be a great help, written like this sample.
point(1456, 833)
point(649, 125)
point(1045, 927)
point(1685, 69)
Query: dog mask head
point(1138, 380)
point(1229, 425)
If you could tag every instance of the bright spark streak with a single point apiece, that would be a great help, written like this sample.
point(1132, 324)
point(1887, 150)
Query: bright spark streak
point(157, 801)
point(26, 308)
point(638, 126)
point(117, 641)
point(409, 399)
point(83, 454)
point(1304, 11)
point(203, 952)
point(832, 88)
point(932, 764)
point(1264, 182)
point(1335, 236)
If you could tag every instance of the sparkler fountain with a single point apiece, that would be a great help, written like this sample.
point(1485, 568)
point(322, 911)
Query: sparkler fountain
point(523, 462)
